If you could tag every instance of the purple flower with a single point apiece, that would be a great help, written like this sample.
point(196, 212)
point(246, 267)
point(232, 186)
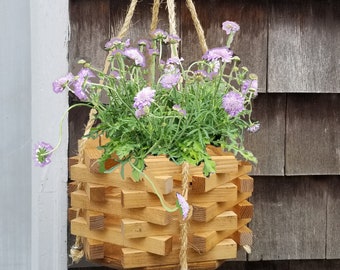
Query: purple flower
point(173, 39)
point(140, 112)
point(42, 153)
point(80, 85)
point(169, 80)
point(86, 73)
point(153, 51)
point(183, 205)
point(144, 98)
point(221, 53)
point(230, 27)
point(60, 84)
point(112, 43)
point(254, 128)
point(178, 108)
point(135, 55)
point(144, 42)
point(249, 84)
point(200, 74)
point(116, 74)
point(233, 103)
point(159, 34)
point(174, 60)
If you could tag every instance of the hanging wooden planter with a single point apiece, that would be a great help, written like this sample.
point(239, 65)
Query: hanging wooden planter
point(124, 226)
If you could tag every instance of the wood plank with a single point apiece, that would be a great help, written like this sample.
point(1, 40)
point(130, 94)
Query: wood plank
point(250, 42)
point(205, 241)
point(156, 215)
point(93, 249)
point(290, 219)
point(243, 236)
point(244, 183)
point(244, 209)
point(333, 217)
point(268, 144)
point(135, 258)
point(306, 61)
point(89, 23)
point(201, 183)
point(94, 220)
point(313, 138)
point(203, 212)
point(132, 228)
point(160, 245)
point(139, 199)
point(95, 192)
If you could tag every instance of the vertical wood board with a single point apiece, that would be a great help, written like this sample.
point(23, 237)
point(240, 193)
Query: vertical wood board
point(289, 218)
point(313, 134)
point(333, 219)
point(304, 46)
point(268, 143)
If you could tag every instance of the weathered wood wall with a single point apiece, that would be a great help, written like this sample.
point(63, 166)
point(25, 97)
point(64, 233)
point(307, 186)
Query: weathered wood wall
point(294, 47)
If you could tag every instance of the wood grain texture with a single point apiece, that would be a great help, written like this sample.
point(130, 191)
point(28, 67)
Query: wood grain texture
point(250, 42)
point(268, 143)
point(290, 218)
point(333, 217)
point(313, 134)
point(90, 29)
point(304, 46)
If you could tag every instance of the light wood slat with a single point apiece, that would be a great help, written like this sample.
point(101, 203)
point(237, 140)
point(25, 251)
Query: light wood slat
point(204, 212)
point(132, 228)
point(135, 258)
point(112, 205)
point(161, 245)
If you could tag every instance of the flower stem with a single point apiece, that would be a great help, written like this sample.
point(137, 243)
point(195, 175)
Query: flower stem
point(158, 194)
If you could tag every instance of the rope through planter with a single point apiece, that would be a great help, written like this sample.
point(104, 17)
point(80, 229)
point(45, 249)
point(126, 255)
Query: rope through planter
point(76, 252)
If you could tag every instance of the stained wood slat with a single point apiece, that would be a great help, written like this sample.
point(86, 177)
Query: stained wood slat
point(89, 23)
point(290, 218)
point(313, 134)
point(250, 42)
point(304, 45)
point(268, 143)
point(333, 217)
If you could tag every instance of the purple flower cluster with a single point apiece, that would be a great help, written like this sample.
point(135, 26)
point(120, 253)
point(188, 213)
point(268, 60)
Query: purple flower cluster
point(233, 103)
point(221, 53)
point(143, 101)
point(78, 82)
point(230, 27)
point(80, 85)
point(159, 34)
point(60, 84)
point(135, 55)
point(254, 128)
point(249, 85)
point(170, 80)
point(42, 153)
point(183, 205)
point(178, 108)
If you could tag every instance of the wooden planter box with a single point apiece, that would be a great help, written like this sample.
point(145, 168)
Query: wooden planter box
point(124, 226)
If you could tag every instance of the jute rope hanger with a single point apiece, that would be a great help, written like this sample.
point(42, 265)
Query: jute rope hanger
point(76, 252)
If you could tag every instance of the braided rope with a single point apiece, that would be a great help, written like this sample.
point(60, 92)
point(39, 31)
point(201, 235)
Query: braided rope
point(155, 12)
point(185, 223)
point(172, 26)
point(198, 26)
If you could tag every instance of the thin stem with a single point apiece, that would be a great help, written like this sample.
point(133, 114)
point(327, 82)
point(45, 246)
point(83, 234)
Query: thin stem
point(159, 195)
